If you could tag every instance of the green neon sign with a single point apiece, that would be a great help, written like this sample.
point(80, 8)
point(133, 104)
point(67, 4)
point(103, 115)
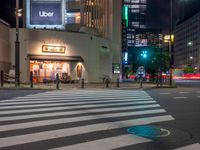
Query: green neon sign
point(125, 14)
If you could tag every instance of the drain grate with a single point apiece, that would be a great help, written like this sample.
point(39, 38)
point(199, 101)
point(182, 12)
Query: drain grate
point(149, 131)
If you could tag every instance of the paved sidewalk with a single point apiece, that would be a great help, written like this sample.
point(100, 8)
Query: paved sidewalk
point(122, 85)
point(110, 86)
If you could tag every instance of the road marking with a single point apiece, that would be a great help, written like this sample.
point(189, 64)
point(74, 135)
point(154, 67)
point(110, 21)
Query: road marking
point(165, 93)
point(76, 119)
point(73, 101)
point(180, 97)
point(66, 108)
point(198, 96)
point(24, 116)
point(184, 92)
point(107, 143)
point(26, 99)
point(190, 147)
point(53, 134)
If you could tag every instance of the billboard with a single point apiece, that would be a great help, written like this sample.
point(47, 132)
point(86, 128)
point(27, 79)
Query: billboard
point(48, 13)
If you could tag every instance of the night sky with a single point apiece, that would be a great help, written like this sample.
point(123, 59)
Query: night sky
point(159, 12)
point(157, 15)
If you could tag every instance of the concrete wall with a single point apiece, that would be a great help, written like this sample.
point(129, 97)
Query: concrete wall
point(5, 47)
point(115, 42)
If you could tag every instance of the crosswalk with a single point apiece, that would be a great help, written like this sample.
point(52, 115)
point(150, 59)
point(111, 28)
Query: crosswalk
point(77, 119)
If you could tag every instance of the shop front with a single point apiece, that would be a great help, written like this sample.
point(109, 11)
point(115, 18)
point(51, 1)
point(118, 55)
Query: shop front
point(46, 67)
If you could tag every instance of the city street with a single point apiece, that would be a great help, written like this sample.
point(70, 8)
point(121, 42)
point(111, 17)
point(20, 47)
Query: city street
point(99, 119)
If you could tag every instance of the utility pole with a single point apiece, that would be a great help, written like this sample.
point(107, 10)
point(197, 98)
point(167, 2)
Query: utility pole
point(171, 43)
point(17, 47)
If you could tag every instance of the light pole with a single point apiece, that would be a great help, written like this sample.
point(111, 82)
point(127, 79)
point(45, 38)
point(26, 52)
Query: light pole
point(171, 43)
point(17, 47)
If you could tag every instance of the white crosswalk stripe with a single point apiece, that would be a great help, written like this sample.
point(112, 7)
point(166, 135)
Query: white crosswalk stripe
point(190, 147)
point(57, 115)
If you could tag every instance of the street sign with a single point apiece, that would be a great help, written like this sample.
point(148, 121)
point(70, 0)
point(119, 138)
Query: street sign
point(140, 72)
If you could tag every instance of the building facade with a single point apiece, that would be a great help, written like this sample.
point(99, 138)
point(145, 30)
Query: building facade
point(90, 51)
point(136, 18)
point(187, 43)
point(5, 47)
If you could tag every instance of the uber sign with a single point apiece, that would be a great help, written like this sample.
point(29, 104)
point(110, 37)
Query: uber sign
point(46, 13)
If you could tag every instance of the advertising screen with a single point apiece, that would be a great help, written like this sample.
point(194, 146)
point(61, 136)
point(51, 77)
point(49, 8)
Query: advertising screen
point(45, 13)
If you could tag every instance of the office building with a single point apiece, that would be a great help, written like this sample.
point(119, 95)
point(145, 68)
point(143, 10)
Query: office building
point(187, 43)
point(78, 39)
point(136, 11)
point(5, 53)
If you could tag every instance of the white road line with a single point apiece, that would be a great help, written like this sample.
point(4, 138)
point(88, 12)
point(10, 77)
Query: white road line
point(93, 92)
point(184, 92)
point(78, 103)
point(47, 135)
point(165, 93)
point(83, 93)
point(80, 95)
point(180, 97)
point(198, 96)
point(69, 98)
point(107, 143)
point(75, 119)
point(190, 147)
point(62, 108)
point(74, 101)
point(53, 114)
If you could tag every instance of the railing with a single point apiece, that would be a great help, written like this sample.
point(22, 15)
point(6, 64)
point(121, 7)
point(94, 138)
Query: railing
point(7, 78)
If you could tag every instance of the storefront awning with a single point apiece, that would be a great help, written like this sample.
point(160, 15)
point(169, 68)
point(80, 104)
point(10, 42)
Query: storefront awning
point(55, 58)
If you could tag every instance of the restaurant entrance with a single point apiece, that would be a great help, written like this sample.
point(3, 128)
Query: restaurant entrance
point(45, 71)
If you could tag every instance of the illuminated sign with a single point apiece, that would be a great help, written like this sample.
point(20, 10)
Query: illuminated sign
point(46, 13)
point(125, 58)
point(53, 49)
point(167, 38)
point(125, 14)
point(116, 68)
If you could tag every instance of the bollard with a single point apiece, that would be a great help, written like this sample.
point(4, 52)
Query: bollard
point(118, 82)
point(141, 80)
point(2, 78)
point(82, 83)
point(107, 83)
point(57, 82)
point(31, 79)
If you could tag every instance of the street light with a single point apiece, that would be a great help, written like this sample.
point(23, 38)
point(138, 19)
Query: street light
point(171, 43)
point(17, 47)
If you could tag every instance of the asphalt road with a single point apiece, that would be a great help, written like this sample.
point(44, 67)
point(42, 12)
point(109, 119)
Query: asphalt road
point(50, 113)
point(183, 103)
point(11, 93)
point(188, 83)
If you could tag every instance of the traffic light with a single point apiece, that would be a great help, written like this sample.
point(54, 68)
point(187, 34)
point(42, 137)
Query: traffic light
point(144, 54)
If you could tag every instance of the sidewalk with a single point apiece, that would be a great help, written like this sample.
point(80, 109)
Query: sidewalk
point(122, 86)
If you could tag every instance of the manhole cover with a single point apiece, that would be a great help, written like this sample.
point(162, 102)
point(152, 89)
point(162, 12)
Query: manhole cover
point(149, 131)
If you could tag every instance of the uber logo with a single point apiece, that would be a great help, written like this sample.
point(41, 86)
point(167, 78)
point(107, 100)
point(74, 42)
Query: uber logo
point(46, 14)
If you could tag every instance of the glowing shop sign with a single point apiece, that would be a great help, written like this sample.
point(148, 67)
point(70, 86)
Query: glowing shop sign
point(53, 49)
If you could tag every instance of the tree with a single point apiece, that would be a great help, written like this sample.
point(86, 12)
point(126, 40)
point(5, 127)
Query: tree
point(188, 69)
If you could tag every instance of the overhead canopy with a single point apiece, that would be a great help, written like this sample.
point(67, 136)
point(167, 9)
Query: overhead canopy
point(55, 58)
